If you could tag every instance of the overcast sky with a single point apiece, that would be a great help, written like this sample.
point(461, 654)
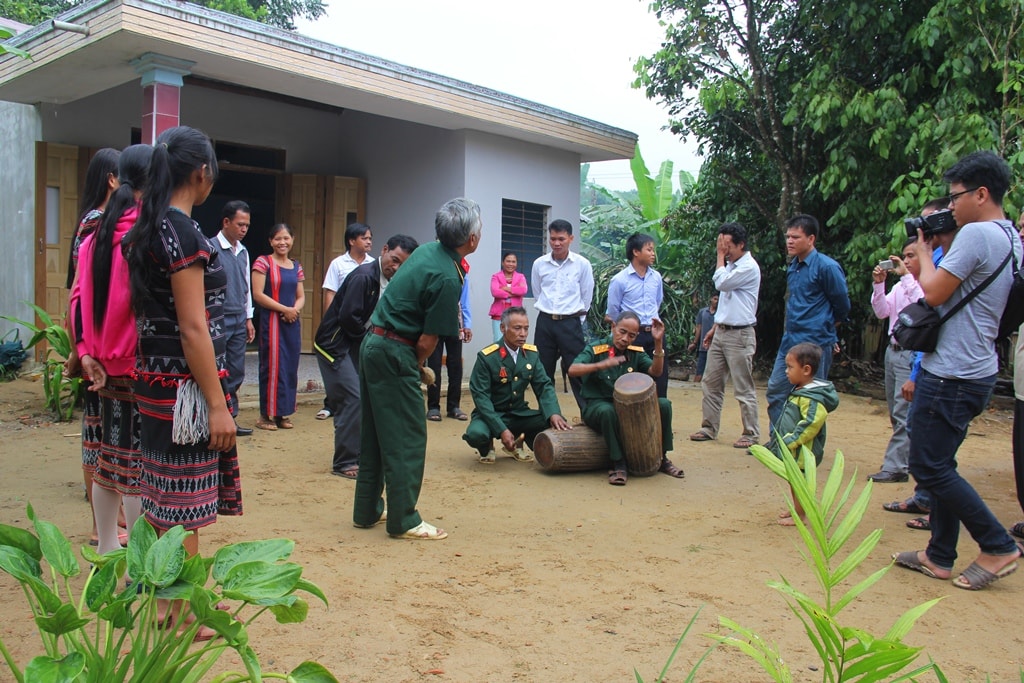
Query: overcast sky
point(575, 55)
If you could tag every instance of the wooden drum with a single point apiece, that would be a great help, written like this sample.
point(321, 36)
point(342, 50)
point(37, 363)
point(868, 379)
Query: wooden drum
point(580, 449)
point(636, 404)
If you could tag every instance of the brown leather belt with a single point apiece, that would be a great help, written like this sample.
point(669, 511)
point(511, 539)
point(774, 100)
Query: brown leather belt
point(563, 316)
point(388, 334)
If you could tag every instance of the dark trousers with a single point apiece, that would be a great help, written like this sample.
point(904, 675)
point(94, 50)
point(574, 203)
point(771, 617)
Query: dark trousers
point(560, 339)
point(646, 340)
point(234, 357)
point(600, 416)
point(393, 447)
point(341, 382)
point(939, 416)
point(1018, 449)
point(453, 346)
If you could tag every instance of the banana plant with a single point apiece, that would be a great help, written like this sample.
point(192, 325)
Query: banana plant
point(111, 633)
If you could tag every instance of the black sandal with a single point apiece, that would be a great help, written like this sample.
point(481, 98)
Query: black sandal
point(617, 477)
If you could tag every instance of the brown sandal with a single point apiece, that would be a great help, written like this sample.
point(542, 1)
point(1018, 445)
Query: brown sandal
point(266, 424)
point(284, 423)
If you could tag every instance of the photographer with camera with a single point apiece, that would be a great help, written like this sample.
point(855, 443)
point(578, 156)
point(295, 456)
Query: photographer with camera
point(957, 378)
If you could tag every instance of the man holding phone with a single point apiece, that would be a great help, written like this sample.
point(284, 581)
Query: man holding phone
point(897, 359)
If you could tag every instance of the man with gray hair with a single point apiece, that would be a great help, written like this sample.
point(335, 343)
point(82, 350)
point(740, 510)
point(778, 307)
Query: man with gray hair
point(420, 304)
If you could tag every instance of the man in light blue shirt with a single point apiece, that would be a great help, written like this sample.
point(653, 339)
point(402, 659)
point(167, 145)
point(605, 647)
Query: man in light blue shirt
point(563, 284)
point(638, 288)
point(816, 301)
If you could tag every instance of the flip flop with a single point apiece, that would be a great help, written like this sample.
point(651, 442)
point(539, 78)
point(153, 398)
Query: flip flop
point(920, 523)
point(909, 560)
point(458, 414)
point(909, 506)
point(284, 423)
point(267, 425)
point(350, 473)
point(1017, 530)
point(701, 436)
point(617, 477)
point(434, 415)
point(424, 531)
point(976, 577)
point(744, 442)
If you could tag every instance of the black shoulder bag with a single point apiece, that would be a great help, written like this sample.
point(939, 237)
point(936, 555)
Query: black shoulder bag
point(917, 327)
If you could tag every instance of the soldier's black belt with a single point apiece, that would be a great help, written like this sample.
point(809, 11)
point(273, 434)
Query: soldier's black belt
point(563, 316)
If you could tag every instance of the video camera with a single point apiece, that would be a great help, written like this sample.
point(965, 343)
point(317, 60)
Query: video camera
point(932, 224)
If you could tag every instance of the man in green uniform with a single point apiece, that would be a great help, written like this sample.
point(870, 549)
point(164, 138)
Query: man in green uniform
point(599, 365)
point(500, 377)
point(420, 304)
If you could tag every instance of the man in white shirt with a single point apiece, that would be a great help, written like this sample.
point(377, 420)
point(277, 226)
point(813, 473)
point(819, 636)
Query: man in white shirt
point(238, 329)
point(732, 342)
point(359, 242)
point(563, 285)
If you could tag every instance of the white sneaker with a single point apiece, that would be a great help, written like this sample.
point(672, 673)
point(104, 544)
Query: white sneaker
point(323, 414)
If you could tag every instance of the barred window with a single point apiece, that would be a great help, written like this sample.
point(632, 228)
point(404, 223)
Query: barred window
point(522, 233)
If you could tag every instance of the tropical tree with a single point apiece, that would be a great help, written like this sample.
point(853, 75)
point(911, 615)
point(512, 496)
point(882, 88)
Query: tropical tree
point(280, 13)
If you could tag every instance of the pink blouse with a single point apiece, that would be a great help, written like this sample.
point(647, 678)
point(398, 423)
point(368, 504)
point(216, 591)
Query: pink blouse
point(502, 297)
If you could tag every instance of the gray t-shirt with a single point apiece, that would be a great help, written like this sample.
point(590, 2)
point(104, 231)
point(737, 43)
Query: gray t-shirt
point(705, 318)
point(966, 348)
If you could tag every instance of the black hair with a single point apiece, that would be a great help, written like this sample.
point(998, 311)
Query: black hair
point(506, 254)
point(233, 207)
point(910, 240)
point(807, 353)
point(178, 153)
point(559, 225)
point(807, 223)
point(636, 242)
point(982, 169)
point(403, 242)
point(355, 231)
point(736, 232)
point(278, 228)
point(94, 193)
point(937, 204)
point(627, 315)
point(131, 174)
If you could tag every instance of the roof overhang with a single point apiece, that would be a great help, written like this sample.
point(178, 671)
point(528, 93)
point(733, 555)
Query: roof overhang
point(67, 66)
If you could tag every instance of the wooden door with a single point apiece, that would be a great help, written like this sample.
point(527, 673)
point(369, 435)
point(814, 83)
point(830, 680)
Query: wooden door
point(58, 175)
point(319, 208)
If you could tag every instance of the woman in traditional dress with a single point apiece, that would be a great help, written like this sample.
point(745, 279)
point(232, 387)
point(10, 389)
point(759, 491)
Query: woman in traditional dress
point(189, 462)
point(277, 290)
point(100, 182)
point(101, 314)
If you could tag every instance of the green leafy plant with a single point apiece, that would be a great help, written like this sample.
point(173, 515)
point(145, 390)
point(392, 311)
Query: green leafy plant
point(693, 671)
point(62, 393)
point(109, 633)
point(847, 653)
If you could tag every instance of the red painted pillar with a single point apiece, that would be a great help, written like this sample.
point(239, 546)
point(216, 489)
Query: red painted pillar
point(162, 79)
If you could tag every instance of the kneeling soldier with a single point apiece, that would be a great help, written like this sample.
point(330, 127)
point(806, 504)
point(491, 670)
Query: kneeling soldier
point(499, 380)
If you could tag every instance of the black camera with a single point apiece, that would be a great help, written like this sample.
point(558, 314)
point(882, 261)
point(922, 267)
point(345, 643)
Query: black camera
point(932, 224)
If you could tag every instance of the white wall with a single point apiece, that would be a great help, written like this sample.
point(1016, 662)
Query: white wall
point(498, 168)
point(20, 128)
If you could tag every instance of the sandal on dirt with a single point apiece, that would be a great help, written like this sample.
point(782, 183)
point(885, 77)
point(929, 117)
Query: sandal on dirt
point(458, 414)
point(488, 458)
point(920, 523)
point(350, 473)
point(1017, 530)
point(284, 423)
point(383, 518)
point(909, 506)
point(617, 477)
point(976, 577)
point(424, 531)
point(266, 424)
point(745, 442)
point(701, 436)
point(434, 415)
point(667, 467)
point(909, 560)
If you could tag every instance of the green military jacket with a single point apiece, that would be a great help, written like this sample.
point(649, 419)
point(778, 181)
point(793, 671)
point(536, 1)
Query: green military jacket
point(498, 386)
point(601, 385)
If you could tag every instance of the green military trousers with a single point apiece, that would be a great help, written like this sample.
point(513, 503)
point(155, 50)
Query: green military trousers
point(600, 416)
point(394, 435)
point(479, 436)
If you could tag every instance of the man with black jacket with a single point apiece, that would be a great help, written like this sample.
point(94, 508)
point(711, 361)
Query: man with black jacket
point(337, 344)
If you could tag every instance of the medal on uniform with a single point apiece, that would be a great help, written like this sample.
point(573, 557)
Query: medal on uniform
point(503, 375)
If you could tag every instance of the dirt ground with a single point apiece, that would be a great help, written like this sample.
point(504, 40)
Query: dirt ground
point(551, 577)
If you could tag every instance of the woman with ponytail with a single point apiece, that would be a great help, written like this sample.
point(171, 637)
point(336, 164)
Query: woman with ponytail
point(106, 342)
point(100, 182)
point(189, 461)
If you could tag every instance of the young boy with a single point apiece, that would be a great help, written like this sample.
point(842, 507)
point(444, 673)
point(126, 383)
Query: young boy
point(802, 422)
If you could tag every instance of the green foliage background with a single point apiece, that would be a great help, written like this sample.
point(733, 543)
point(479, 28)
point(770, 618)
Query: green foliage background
point(280, 13)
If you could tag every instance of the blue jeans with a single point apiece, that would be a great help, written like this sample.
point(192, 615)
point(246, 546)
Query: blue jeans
point(779, 387)
point(939, 416)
